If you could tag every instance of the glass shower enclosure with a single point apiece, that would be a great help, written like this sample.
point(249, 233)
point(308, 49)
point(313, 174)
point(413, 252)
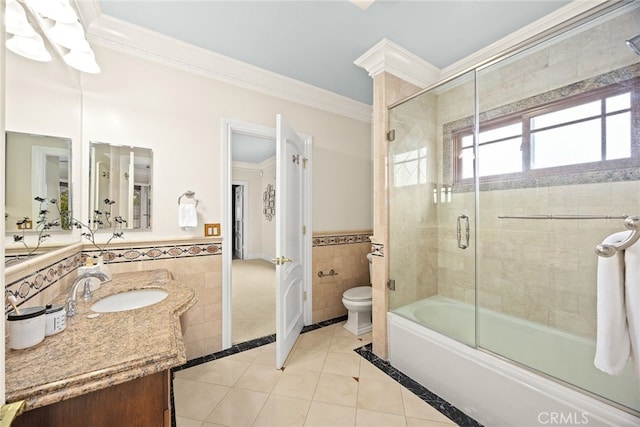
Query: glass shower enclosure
point(502, 182)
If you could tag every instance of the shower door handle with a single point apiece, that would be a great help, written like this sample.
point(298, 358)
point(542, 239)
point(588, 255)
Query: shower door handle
point(464, 217)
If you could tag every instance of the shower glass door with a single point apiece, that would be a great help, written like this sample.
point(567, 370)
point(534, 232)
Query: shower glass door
point(558, 137)
point(432, 213)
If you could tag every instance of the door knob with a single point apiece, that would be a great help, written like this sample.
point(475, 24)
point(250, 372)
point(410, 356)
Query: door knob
point(280, 261)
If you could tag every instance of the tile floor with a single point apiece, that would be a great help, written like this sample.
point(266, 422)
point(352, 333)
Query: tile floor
point(324, 383)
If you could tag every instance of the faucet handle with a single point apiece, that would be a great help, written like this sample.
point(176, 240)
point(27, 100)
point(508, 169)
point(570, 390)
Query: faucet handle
point(71, 308)
point(86, 293)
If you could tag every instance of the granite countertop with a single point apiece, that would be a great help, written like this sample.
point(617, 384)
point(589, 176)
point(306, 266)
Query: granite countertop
point(91, 354)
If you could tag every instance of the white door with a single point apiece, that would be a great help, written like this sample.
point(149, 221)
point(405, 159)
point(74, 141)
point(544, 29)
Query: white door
point(238, 222)
point(289, 240)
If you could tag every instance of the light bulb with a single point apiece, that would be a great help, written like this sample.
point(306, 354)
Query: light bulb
point(29, 47)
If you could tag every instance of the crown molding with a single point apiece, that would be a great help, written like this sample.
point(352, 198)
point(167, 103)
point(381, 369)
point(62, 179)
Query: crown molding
point(387, 56)
point(266, 164)
point(124, 37)
point(546, 23)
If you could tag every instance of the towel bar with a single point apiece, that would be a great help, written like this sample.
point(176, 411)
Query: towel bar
point(330, 273)
point(633, 224)
point(189, 195)
point(547, 216)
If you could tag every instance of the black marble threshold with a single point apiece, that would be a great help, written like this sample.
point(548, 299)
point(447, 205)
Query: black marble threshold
point(444, 407)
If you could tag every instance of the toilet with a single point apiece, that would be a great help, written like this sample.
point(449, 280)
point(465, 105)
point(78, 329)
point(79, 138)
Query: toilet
point(358, 302)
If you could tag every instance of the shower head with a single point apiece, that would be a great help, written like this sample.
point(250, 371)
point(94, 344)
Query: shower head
point(634, 44)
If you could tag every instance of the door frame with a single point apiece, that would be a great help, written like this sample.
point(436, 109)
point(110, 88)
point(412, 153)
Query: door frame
point(229, 126)
point(245, 217)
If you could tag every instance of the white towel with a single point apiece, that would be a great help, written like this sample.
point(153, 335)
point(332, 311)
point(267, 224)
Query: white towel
point(187, 216)
point(613, 345)
point(632, 301)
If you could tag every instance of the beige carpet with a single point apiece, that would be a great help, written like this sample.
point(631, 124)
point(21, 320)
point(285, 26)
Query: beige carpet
point(254, 299)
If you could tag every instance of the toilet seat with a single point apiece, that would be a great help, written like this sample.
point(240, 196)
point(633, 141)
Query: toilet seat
point(360, 293)
point(358, 303)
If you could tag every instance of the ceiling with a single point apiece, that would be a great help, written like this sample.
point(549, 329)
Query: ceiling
point(251, 148)
point(316, 42)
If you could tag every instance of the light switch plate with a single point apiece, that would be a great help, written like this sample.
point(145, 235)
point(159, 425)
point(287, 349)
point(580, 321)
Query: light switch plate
point(212, 230)
point(26, 225)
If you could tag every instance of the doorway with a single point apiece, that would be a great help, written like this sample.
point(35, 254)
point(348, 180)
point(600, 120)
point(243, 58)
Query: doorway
point(239, 190)
point(248, 252)
point(253, 304)
point(252, 277)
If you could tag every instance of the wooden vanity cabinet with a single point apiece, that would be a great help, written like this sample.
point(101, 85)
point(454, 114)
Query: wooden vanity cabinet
point(143, 402)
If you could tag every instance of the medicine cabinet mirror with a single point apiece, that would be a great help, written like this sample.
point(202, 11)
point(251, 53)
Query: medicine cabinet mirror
point(37, 166)
point(120, 186)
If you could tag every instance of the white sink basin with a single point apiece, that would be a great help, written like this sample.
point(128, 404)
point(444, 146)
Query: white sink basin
point(129, 300)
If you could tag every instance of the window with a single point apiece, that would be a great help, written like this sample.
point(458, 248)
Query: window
point(595, 127)
point(410, 168)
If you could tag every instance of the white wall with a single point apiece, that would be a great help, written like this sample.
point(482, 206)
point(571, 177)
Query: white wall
point(45, 99)
point(179, 116)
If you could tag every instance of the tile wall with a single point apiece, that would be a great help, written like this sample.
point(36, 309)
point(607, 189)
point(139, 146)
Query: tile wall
point(346, 255)
point(196, 263)
point(199, 265)
point(37, 281)
point(387, 89)
point(542, 271)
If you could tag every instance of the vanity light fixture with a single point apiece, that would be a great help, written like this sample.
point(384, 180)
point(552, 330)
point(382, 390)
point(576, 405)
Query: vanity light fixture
point(16, 20)
point(58, 10)
point(58, 21)
point(30, 47)
point(24, 40)
point(83, 61)
point(70, 36)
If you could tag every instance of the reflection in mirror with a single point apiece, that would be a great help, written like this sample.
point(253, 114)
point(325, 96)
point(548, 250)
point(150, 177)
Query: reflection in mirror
point(36, 166)
point(121, 174)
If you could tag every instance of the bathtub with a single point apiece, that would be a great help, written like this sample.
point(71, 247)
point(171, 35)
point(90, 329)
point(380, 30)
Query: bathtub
point(494, 391)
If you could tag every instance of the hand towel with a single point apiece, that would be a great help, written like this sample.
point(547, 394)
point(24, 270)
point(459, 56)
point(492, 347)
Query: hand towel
point(613, 345)
point(187, 216)
point(632, 301)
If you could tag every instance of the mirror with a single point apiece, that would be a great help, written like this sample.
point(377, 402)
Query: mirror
point(120, 186)
point(43, 102)
point(36, 166)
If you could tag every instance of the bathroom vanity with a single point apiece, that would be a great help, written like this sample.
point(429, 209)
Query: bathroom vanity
point(109, 370)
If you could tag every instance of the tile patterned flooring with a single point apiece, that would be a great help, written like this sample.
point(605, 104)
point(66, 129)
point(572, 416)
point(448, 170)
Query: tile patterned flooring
point(323, 383)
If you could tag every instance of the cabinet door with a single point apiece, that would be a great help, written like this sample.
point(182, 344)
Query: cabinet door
point(143, 402)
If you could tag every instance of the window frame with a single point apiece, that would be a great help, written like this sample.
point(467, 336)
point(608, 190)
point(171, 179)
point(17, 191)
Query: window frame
point(524, 117)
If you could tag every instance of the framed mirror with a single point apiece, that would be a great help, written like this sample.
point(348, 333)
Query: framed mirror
point(37, 166)
point(120, 186)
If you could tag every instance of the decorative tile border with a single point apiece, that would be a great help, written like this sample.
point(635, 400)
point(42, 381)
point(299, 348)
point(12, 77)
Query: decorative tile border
point(423, 393)
point(152, 252)
point(32, 283)
point(579, 175)
point(37, 281)
point(238, 348)
point(444, 407)
point(377, 249)
point(340, 239)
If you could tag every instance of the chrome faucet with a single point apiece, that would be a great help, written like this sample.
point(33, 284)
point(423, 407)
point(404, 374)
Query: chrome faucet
point(71, 303)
